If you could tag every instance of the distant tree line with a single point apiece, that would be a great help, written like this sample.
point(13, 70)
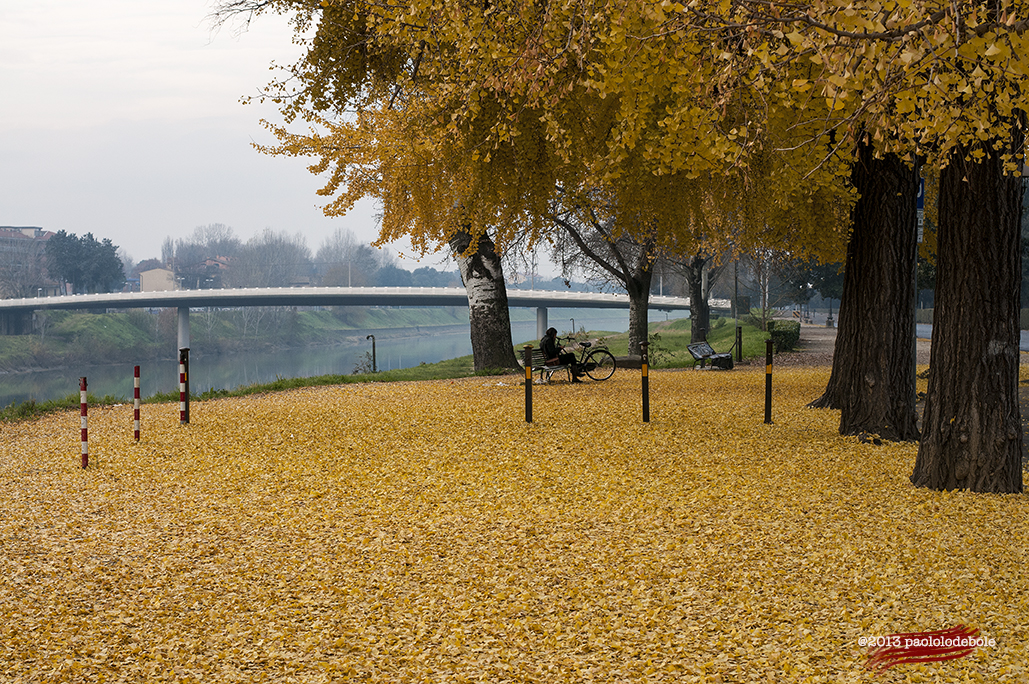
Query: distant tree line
point(213, 257)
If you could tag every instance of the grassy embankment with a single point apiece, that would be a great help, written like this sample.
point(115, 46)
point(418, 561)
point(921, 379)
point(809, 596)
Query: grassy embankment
point(667, 350)
point(668, 341)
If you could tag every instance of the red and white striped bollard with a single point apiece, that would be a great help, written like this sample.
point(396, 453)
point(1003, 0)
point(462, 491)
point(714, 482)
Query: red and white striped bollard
point(135, 402)
point(82, 412)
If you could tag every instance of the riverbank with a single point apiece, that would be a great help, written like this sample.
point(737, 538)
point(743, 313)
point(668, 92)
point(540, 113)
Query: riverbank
point(402, 356)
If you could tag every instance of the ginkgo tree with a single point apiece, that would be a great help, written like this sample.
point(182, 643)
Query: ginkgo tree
point(873, 377)
point(481, 111)
point(761, 56)
point(462, 117)
point(940, 81)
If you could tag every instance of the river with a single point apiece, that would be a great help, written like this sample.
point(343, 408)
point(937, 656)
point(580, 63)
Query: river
point(401, 349)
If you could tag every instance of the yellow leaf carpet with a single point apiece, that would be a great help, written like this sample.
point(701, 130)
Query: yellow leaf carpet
point(423, 532)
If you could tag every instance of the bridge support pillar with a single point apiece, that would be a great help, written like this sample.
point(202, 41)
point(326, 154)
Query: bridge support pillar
point(541, 322)
point(15, 323)
point(183, 327)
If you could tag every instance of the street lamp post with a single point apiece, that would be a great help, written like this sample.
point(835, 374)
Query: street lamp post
point(372, 338)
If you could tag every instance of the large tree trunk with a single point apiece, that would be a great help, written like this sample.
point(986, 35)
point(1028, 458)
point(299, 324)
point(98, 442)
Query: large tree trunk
point(488, 314)
point(700, 310)
point(873, 372)
point(638, 288)
point(972, 433)
point(700, 315)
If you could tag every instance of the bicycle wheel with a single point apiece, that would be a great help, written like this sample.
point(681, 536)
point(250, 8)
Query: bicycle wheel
point(600, 364)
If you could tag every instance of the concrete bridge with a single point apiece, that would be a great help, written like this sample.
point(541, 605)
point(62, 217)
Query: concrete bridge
point(16, 314)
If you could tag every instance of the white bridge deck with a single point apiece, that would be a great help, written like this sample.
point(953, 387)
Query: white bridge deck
point(15, 313)
point(334, 296)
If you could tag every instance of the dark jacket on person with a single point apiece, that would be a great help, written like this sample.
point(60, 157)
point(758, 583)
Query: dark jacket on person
point(550, 349)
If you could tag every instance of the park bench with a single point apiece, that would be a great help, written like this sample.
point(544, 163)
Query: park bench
point(702, 353)
point(539, 364)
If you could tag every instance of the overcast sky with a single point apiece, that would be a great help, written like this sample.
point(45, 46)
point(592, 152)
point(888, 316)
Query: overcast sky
point(123, 118)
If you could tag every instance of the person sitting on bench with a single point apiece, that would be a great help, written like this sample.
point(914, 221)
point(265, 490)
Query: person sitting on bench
point(556, 356)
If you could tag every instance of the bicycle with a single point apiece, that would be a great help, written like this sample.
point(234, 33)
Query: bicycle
point(596, 362)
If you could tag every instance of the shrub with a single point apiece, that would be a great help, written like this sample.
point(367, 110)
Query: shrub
point(785, 335)
point(755, 321)
point(656, 351)
point(364, 364)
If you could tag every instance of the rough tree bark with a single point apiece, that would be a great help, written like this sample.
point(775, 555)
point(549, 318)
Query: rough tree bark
point(488, 315)
point(699, 275)
point(638, 288)
point(873, 372)
point(700, 312)
point(972, 432)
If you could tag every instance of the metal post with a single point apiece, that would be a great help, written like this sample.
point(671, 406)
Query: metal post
point(372, 338)
point(83, 430)
point(736, 292)
point(646, 383)
point(528, 383)
point(739, 343)
point(541, 322)
point(183, 332)
point(184, 386)
point(135, 402)
point(768, 381)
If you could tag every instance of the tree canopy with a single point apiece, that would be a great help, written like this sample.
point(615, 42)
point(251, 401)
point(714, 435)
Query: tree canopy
point(91, 265)
point(451, 112)
point(709, 126)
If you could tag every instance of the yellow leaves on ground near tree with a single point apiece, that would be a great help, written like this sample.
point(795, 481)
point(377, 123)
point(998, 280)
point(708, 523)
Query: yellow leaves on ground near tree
point(425, 532)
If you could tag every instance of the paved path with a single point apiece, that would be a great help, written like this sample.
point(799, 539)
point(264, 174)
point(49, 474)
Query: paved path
point(817, 344)
point(816, 349)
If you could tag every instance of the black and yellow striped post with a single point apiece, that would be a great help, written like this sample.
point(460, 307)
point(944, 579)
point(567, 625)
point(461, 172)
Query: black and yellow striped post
point(646, 383)
point(528, 383)
point(768, 382)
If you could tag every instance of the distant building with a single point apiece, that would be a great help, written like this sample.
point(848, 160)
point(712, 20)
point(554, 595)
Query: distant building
point(22, 262)
point(22, 232)
point(215, 269)
point(202, 275)
point(157, 280)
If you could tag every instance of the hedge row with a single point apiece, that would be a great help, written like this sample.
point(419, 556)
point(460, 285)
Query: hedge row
point(785, 335)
